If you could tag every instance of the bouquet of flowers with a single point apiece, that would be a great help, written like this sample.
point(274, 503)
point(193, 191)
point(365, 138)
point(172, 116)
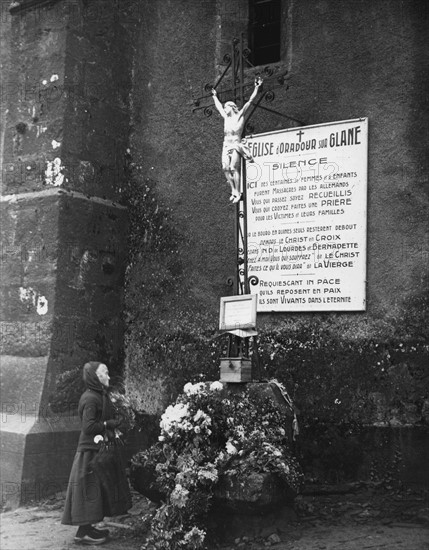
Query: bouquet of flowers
point(205, 434)
point(124, 411)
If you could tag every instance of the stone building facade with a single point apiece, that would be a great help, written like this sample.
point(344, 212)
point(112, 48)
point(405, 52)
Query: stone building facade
point(112, 180)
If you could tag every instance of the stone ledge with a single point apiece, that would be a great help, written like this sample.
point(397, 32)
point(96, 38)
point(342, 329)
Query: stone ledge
point(37, 464)
point(55, 191)
point(23, 5)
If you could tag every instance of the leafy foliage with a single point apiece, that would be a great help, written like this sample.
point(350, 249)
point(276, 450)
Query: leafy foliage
point(206, 434)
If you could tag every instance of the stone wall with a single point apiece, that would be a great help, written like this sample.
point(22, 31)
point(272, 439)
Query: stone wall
point(63, 227)
point(343, 60)
point(82, 78)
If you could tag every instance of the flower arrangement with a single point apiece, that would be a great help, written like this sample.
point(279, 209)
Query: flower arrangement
point(123, 410)
point(206, 434)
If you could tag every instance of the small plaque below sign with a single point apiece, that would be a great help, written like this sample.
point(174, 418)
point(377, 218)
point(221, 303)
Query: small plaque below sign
point(238, 312)
point(235, 369)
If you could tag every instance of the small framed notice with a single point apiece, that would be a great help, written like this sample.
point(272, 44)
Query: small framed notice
point(238, 312)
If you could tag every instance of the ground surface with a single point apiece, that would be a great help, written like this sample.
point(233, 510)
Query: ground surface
point(350, 518)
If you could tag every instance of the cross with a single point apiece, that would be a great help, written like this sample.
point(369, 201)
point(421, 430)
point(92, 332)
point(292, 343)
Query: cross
point(237, 82)
point(300, 133)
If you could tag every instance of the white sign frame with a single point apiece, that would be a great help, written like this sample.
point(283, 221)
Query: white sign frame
point(306, 196)
point(238, 312)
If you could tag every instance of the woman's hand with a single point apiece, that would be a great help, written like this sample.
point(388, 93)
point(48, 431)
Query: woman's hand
point(112, 423)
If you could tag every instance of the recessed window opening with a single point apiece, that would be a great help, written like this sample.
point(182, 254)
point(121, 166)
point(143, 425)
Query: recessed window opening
point(264, 31)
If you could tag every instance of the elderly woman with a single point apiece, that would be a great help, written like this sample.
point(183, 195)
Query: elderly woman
point(88, 500)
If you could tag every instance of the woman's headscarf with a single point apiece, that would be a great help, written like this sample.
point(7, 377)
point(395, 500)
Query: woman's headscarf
point(90, 377)
point(93, 383)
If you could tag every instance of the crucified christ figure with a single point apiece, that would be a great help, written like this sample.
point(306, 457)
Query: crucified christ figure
point(233, 145)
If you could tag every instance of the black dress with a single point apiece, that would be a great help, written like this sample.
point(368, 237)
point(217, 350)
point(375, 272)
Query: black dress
point(90, 497)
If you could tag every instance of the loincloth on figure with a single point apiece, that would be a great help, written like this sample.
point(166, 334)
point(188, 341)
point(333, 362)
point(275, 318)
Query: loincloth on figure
point(242, 149)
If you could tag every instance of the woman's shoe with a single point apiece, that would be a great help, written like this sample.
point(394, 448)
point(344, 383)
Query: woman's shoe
point(91, 538)
point(104, 532)
point(81, 532)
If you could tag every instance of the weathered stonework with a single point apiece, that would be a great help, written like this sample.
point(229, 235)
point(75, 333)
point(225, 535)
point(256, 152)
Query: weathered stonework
point(63, 229)
point(80, 77)
point(337, 58)
point(255, 493)
point(343, 61)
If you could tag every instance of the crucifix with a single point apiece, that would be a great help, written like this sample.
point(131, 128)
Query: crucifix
point(238, 81)
point(234, 146)
point(236, 153)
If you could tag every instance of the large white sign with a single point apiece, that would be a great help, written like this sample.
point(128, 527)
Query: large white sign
point(306, 217)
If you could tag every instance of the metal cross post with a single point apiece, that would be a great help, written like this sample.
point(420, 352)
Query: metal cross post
point(273, 77)
point(242, 281)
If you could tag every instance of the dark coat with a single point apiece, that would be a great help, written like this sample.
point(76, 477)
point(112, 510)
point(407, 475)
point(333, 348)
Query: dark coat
point(90, 411)
point(91, 493)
